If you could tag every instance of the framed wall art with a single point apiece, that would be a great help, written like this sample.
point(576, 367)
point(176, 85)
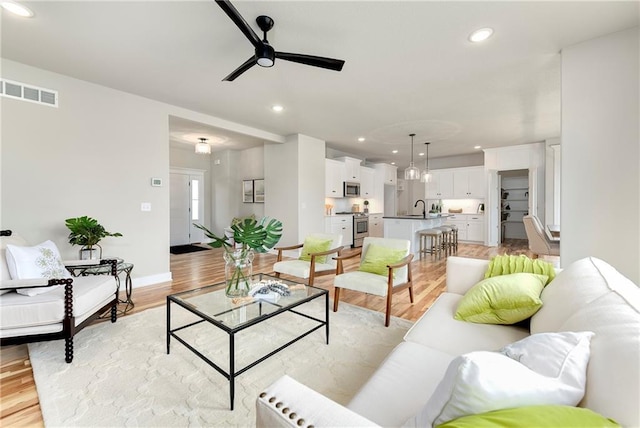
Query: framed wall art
point(258, 191)
point(247, 191)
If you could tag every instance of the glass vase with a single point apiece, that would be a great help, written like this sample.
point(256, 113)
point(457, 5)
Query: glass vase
point(238, 269)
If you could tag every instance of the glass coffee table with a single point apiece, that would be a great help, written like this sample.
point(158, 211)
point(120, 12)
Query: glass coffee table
point(211, 305)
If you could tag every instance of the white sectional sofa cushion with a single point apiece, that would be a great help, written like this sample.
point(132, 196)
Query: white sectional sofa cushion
point(588, 296)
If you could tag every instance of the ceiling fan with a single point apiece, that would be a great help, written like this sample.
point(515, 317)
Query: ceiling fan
point(265, 54)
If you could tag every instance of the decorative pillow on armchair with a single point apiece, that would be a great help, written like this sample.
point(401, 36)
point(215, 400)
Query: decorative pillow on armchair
point(315, 245)
point(377, 258)
point(40, 261)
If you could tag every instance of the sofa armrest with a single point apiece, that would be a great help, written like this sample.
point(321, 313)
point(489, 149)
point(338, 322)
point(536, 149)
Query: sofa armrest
point(288, 403)
point(463, 273)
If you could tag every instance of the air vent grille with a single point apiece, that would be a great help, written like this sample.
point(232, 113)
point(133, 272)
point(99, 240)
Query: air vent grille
point(26, 92)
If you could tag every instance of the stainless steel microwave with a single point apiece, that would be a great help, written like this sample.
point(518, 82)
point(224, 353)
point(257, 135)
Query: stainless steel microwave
point(351, 189)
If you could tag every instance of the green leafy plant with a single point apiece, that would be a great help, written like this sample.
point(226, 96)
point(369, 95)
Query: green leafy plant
point(252, 235)
point(86, 231)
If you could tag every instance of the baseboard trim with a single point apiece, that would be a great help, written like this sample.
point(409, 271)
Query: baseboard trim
point(144, 281)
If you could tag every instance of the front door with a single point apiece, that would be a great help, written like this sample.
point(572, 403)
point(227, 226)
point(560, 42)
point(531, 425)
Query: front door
point(186, 207)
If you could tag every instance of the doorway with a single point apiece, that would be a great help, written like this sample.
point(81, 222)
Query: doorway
point(186, 201)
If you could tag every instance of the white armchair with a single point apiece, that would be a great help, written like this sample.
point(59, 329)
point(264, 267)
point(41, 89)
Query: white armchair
point(37, 309)
point(538, 241)
point(315, 263)
point(396, 271)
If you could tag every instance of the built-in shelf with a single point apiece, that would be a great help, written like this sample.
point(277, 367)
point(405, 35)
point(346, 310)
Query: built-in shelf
point(516, 200)
point(514, 211)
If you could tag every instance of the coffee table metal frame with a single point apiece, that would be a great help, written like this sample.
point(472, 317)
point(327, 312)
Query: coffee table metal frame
point(231, 331)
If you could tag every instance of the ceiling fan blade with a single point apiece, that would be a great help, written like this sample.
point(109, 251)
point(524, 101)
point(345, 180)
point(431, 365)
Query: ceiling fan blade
point(237, 19)
point(316, 61)
point(238, 71)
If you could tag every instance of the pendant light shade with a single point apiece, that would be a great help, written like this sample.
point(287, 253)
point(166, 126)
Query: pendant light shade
point(412, 172)
point(203, 148)
point(426, 176)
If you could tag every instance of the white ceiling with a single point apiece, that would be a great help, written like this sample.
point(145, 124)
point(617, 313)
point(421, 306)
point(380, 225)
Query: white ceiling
point(409, 66)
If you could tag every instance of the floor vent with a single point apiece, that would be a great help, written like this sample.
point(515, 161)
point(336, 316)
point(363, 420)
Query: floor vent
point(26, 92)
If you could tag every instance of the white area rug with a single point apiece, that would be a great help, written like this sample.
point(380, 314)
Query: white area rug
point(122, 376)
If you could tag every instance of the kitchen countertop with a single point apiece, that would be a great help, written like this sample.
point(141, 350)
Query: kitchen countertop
point(419, 217)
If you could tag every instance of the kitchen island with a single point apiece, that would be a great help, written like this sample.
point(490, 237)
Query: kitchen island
point(407, 227)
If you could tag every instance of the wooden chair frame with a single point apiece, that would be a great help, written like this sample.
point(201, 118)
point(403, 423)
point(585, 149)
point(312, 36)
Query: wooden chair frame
point(406, 261)
point(312, 266)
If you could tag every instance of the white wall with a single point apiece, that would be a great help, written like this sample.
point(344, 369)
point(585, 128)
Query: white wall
point(600, 156)
point(294, 186)
point(281, 187)
point(95, 155)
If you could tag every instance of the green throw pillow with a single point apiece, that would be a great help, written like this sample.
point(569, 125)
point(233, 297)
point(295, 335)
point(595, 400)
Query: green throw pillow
point(378, 257)
point(506, 264)
point(315, 245)
point(504, 299)
point(549, 416)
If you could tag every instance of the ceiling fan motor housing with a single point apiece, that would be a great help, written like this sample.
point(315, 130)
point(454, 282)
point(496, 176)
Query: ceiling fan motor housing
point(265, 55)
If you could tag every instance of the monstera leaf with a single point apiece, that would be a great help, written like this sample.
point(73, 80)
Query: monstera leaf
point(260, 235)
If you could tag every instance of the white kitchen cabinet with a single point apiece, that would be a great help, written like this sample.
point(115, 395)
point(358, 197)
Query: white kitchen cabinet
point(475, 228)
point(351, 168)
point(441, 185)
point(469, 183)
point(367, 187)
point(389, 173)
point(343, 225)
point(470, 226)
point(376, 225)
point(334, 178)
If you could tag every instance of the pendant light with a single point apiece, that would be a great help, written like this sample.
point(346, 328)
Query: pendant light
point(412, 173)
point(203, 148)
point(425, 177)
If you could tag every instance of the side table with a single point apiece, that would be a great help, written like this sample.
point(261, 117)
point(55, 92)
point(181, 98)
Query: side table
point(122, 266)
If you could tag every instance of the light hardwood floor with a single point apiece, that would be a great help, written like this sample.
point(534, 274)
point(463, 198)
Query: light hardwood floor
point(19, 404)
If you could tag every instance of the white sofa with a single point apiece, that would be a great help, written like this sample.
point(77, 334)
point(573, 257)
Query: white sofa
point(589, 295)
point(56, 314)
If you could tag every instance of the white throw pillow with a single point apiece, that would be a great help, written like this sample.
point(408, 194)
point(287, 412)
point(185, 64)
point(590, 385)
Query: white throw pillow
point(40, 261)
point(542, 369)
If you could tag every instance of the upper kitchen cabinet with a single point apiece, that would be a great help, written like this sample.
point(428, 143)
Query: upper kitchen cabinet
point(469, 183)
point(334, 178)
point(367, 177)
point(388, 172)
point(440, 186)
point(351, 169)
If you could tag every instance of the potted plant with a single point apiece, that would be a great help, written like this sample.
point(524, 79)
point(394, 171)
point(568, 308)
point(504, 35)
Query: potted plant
point(87, 232)
point(249, 235)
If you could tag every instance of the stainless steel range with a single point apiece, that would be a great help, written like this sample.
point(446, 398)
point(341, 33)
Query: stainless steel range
point(360, 227)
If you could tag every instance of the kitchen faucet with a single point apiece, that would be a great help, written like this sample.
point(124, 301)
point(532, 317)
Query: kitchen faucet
point(424, 207)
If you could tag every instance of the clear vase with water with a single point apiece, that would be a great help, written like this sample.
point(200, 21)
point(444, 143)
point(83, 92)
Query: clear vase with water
point(238, 270)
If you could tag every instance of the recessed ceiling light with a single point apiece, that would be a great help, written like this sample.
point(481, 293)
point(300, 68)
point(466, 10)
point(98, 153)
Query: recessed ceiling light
point(477, 147)
point(393, 163)
point(481, 35)
point(17, 8)
point(420, 154)
point(394, 151)
point(361, 139)
point(277, 108)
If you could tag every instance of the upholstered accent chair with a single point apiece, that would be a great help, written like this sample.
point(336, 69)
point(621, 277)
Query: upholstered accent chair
point(538, 241)
point(316, 257)
point(51, 306)
point(384, 269)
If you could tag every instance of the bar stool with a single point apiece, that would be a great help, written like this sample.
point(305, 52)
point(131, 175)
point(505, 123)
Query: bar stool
point(454, 236)
point(435, 247)
point(447, 233)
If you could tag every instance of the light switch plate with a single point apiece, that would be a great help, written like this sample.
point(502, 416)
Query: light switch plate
point(145, 206)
